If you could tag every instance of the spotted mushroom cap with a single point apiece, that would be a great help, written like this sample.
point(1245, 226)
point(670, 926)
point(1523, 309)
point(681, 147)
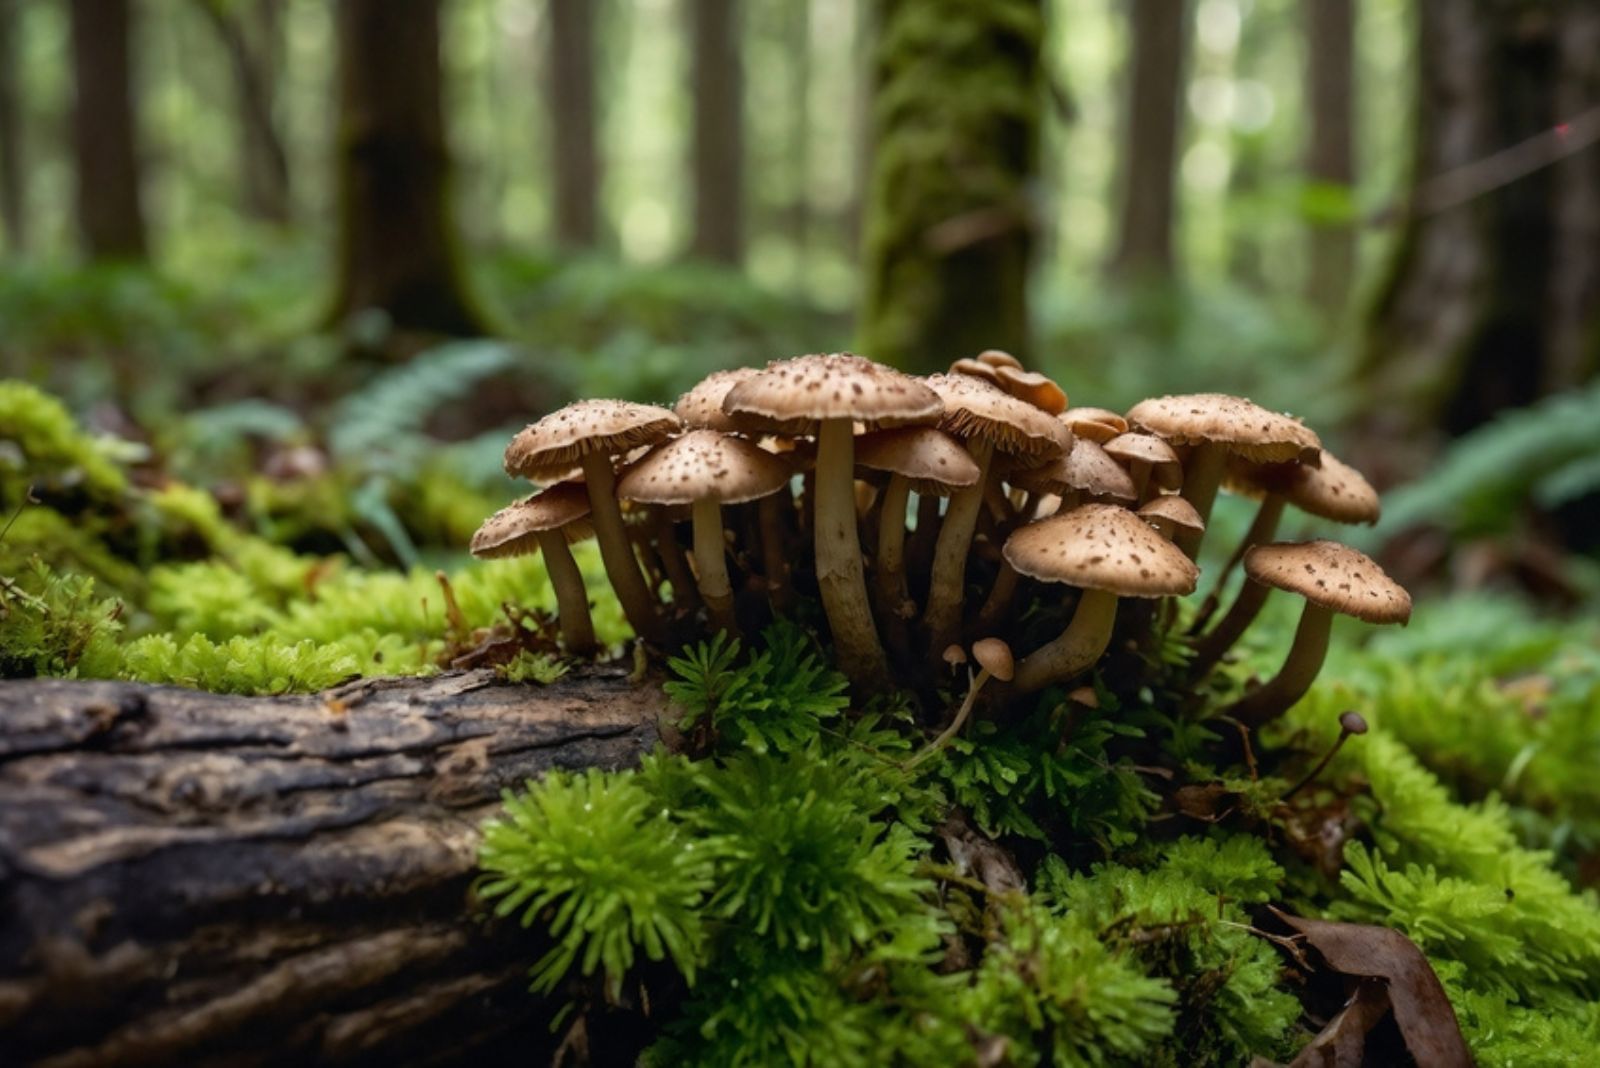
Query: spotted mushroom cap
point(1099, 425)
point(1102, 547)
point(1334, 576)
point(1335, 491)
point(974, 408)
point(704, 464)
point(1242, 426)
point(795, 396)
point(1037, 389)
point(1086, 469)
point(1175, 510)
point(934, 461)
point(702, 405)
point(1133, 446)
point(564, 437)
point(514, 530)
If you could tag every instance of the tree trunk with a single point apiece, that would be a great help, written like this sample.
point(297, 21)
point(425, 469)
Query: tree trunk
point(1330, 156)
point(718, 156)
point(574, 122)
point(188, 878)
point(253, 57)
point(799, 156)
point(1158, 45)
point(397, 241)
point(104, 133)
point(1247, 246)
point(13, 213)
point(1493, 298)
point(950, 220)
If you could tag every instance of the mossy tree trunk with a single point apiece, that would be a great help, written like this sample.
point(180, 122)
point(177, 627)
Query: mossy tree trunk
point(717, 155)
point(105, 142)
point(13, 214)
point(1330, 31)
point(950, 220)
point(397, 240)
point(1493, 297)
point(574, 121)
point(252, 38)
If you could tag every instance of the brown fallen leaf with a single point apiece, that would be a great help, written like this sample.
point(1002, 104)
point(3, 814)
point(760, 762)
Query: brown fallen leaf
point(1421, 1009)
point(1343, 1042)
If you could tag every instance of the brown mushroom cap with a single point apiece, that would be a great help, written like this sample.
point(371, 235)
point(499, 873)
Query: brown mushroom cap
point(1175, 510)
point(934, 461)
point(1099, 425)
point(562, 438)
point(1147, 448)
point(1102, 547)
point(975, 409)
point(514, 530)
point(1086, 469)
point(1334, 576)
point(1241, 426)
point(1335, 491)
point(1033, 387)
point(794, 396)
point(701, 407)
point(994, 656)
point(997, 359)
point(704, 465)
point(977, 369)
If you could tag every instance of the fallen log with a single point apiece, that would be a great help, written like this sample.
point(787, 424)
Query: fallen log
point(190, 878)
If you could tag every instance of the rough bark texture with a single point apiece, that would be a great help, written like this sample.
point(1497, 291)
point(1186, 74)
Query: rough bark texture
point(253, 40)
point(1159, 45)
point(1330, 154)
point(574, 122)
point(104, 133)
point(187, 878)
point(1494, 297)
point(950, 219)
point(718, 151)
point(397, 244)
point(13, 217)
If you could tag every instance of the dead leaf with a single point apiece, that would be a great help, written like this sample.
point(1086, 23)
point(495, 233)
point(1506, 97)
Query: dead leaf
point(1343, 1042)
point(1209, 801)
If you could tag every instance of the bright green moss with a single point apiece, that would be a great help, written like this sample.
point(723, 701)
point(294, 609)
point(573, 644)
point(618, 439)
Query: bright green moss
point(42, 445)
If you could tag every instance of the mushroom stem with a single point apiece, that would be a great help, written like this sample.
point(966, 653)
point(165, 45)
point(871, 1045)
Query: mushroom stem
point(919, 552)
point(947, 583)
point(1139, 471)
point(1262, 529)
point(1000, 595)
point(572, 598)
point(1275, 697)
point(841, 578)
point(684, 594)
point(772, 557)
point(1201, 477)
point(710, 559)
point(622, 567)
point(962, 715)
point(1216, 643)
point(889, 569)
point(1078, 647)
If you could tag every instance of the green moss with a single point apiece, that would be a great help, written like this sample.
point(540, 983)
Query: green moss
point(54, 624)
point(42, 445)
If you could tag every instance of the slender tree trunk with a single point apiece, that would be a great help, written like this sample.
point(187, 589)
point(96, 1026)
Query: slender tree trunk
point(397, 239)
point(574, 122)
point(1330, 156)
point(799, 161)
point(104, 131)
point(950, 219)
point(1247, 245)
point(1493, 298)
point(1159, 46)
point(718, 156)
point(253, 53)
point(13, 214)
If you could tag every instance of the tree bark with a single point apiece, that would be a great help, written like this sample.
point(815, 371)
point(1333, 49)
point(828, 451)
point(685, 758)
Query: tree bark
point(263, 159)
point(397, 241)
point(13, 214)
point(188, 878)
point(574, 122)
point(104, 131)
point(1330, 27)
point(718, 153)
point(1159, 46)
point(950, 220)
point(1493, 297)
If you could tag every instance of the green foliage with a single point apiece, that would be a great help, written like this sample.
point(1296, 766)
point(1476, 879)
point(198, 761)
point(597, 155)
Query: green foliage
point(259, 665)
point(42, 445)
point(53, 624)
point(540, 668)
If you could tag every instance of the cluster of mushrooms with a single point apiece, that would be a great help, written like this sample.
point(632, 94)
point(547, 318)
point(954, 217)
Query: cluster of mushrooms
point(929, 516)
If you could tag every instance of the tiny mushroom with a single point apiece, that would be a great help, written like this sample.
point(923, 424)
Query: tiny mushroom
point(1098, 425)
point(994, 662)
point(1106, 551)
point(977, 369)
point(1334, 580)
point(1170, 514)
point(1033, 387)
point(548, 521)
point(701, 407)
point(1085, 473)
point(997, 359)
point(1151, 462)
point(590, 433)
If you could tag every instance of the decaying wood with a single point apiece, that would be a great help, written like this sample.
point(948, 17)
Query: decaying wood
point(187, 878)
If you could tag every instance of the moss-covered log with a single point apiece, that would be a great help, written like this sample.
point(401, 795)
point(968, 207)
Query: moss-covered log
point(188, 878)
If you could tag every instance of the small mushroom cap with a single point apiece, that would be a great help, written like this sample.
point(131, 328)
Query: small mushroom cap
point(977, 369)
point(1335, 491)
point(514, 530)
point(934, 461)
point(795, 396)
point(1147, 448)
point(1086, 469)
point(564, 437)
point(975, 409)
point(1334, 576)
point(1102, 547)
point(954, 655)
point(1175, 510)
point(701, 407)
point(997, 359)
point(1099, 425)
point(1353, 722)
point(1033, 387)
point(994, 656)
point(1241, 426)
point(702, 465)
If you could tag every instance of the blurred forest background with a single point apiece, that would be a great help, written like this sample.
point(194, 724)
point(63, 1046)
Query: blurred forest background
point(351, 244)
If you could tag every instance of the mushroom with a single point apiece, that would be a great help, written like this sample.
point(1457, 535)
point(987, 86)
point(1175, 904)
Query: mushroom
point(1098, 425)
point(826, 396)
point(1109, 553)
point(1031, 386)
point(989, 420)
point(1333, 579)
point(994, 662)
point(701, 407)
point(1217, 425)
point(1170, 514)
point(548, 521)
point(706, 469)
point(589, 433)
point(977, 369)
point(1147, 455)
point(997, 359)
